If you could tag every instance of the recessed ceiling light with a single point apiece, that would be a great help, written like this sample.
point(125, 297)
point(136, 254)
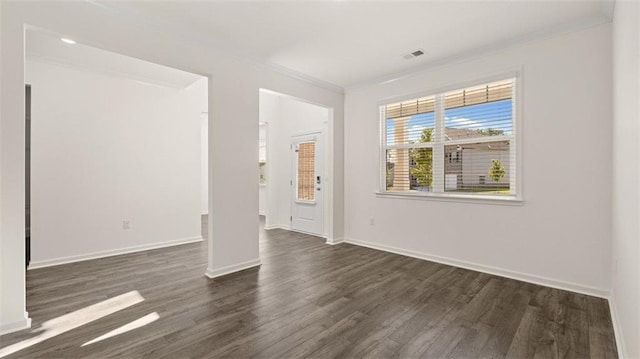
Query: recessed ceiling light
point(68, 41)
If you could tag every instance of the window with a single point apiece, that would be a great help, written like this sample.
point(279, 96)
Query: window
point(306, 169)
point(459, 142)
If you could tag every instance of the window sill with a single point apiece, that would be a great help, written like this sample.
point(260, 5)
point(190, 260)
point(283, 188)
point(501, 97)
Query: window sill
point(495, 200)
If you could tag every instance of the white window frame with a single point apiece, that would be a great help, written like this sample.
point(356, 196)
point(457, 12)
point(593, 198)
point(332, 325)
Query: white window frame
point(515, 141)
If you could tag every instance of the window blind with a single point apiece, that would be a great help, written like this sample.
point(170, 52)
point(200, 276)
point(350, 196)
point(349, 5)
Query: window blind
point(306, 152)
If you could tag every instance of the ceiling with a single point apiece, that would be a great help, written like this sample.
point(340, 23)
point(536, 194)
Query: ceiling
point(346, 43)
point(48, 47)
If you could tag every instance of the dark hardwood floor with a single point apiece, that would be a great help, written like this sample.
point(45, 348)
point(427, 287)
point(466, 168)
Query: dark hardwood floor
point(308, 299)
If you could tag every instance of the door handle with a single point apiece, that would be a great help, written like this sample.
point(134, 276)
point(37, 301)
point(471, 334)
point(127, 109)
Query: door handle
point(317, 188)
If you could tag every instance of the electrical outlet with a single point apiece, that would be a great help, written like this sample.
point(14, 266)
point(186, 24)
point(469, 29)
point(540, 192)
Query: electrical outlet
point(126, 224)
point(372, 221)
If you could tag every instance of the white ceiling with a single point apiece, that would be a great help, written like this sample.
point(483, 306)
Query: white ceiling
point(48, 47)
point(349, 42)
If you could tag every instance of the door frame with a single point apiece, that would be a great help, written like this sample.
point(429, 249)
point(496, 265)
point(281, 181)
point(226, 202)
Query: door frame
point(292, 190)
point(328, 128)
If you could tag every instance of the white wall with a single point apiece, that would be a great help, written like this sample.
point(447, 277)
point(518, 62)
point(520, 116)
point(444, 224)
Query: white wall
point(204, 165)
point(262, 156)
point(560, 236)
point(262, 200)
point(286, 117)
point(107, 149)
point(204, 143)
point(269, 111)
point(233, 112)
point(626, 177)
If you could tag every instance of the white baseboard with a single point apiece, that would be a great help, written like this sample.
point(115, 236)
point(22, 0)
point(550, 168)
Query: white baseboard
point(287, 227)
point(617, 329)
point(334, 241)
point(22, 324)
point(548, 282)
point(278, 226)
point(216, 273)
point(112, 252)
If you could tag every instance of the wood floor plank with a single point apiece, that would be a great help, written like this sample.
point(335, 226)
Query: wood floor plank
point(602, 343)
point(307, 300)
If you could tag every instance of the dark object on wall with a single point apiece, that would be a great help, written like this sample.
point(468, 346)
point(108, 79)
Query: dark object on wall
point(27, 175)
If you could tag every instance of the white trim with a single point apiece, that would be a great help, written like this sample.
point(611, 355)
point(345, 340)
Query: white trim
point(286, 227)
point(617, 329)
point(450, 197)
point(562, 29)
point(307, 233)
point(22, 324)
point(546, 33)
point(302, 77)
point(547, 282)
point(291, 97)
point(217, 273)
point(507, 73)
point(201, 41)
point(197, 39)
point(334, 241)
point(112, 252)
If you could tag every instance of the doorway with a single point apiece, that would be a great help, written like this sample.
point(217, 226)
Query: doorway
point(307, 205)
point(115, 162)
point(298, 188)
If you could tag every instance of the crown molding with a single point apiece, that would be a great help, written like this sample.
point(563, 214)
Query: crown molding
point(200, 41)
point(606, 15)
point(301, 76)
point(551, 32)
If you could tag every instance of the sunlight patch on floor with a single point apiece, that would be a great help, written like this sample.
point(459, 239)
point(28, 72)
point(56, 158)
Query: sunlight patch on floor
point(67, 322)
point(147, 319)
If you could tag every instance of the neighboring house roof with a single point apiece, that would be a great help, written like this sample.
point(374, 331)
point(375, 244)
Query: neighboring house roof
point(452, 134)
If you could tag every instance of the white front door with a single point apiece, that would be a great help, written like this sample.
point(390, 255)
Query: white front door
point(307, 184)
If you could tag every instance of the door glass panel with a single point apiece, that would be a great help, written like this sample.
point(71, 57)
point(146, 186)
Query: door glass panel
point(306, 171)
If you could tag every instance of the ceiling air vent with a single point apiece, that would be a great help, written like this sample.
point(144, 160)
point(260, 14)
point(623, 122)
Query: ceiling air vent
point(413, 55)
